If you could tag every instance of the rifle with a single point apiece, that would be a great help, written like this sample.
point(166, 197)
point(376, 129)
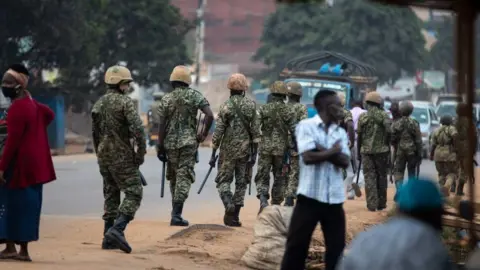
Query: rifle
point(392, 164)
point(249, 173)
point(201, 130)
point(162, 186)
point(355, 186)
point(475, 162)
point(206, 177)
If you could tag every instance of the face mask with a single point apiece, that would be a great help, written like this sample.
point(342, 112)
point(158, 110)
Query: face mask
point(9, 92)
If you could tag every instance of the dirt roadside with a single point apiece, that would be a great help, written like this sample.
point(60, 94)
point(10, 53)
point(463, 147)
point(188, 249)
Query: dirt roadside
point(74, 243)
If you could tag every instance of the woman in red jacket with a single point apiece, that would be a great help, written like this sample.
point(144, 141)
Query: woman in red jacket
point(25, 165)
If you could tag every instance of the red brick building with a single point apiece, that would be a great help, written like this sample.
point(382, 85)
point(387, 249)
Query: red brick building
point(232, 28)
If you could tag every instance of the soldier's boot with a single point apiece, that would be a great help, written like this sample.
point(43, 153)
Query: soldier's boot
point(288, 201)
point(263, 202)
point(453, 187)
point(236, 217)
point(460, 189)
point(116, 234)
point(177, 219)
point(229, 215)
point(107, 244)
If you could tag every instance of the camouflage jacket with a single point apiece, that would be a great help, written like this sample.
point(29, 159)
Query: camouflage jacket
point(374, 129)
point(179, 109)
point(230, 132)
point(277, 121)
point(443, 142)
point(300, 112)
point(154, 108)
point(462, 138)
point(406, 136)
point(115, 121)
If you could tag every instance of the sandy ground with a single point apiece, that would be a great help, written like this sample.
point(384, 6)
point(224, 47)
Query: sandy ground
point(74, 242)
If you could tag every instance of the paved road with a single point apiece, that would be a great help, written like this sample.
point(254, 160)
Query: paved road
point(78, 190)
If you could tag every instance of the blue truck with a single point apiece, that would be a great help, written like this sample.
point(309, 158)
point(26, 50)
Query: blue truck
point(326, 70)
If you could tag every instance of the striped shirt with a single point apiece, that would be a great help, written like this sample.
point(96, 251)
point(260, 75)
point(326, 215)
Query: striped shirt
point(322, 182)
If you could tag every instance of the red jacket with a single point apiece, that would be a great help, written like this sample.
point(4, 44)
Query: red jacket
point(27, 147)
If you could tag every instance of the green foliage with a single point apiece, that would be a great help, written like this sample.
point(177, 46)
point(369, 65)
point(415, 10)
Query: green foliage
point(83, 38)
point(388, 38)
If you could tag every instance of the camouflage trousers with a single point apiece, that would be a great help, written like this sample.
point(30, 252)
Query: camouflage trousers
point(462, 176)
point(293, 175)
point(447, 172)
point(262, 179)
point(402, 162)
point(121, 178)
point(227, 170)
point(375, 168)
point(180, 171)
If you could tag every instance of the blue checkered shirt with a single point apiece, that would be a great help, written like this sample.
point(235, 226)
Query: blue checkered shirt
point(322, 182)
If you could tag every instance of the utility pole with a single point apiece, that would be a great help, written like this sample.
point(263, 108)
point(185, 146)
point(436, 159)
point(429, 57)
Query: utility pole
point(200, 36)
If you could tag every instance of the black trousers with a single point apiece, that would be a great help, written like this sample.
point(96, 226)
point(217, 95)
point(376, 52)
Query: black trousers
point(306, 214)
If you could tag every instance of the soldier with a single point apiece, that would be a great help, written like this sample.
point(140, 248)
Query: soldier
point(395, 111)
point(237, 134)
point(178, 139)
point(374, 129)
point(462, 147)
point(295, 92)
point(115, 121)
point(157, 98)
point(407, 144)
point(347, 122)
point(444, 141)
point(276, 120)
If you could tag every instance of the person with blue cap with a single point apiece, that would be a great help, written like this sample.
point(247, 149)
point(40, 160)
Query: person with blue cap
point(410, 240)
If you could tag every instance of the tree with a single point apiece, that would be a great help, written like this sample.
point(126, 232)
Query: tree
point(388, 38)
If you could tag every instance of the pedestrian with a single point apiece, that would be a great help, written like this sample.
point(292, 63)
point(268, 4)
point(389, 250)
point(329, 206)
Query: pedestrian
point(114, 122)
point(410, 240)
point(295, 92)
point(237, 134)
point(25, 166)
point(395, 111)
point(178, 140)
point(277, 121)
point(347, 124)
point(462, 123)
point(323, 148)
point(407, 144)
point(443, 152)
point(374, 129)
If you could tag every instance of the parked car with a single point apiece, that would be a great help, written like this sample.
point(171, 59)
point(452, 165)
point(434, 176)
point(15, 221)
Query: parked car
point(447, 108)
point(424, 113)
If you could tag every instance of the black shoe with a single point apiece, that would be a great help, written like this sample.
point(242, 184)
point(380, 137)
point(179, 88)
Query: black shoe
point(371, 209)
point(107, 244)
point(288, 201)
point(229, 209)
point(460, 189)
point(116, 233)
point(263, 202)
point(235, 218)
point(381, 208)
point(177, 219)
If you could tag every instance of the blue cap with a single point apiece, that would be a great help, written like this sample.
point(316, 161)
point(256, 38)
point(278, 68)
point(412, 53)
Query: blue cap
point(418, 194)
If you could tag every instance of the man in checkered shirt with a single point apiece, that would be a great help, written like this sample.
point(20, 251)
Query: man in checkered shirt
point(323, 148)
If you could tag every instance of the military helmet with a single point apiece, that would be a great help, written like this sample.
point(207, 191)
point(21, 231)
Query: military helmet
point(279, 87)
point(446, 120)
point(237, 81)
point(374, 97)
point(181, 74)
point(406, 108)
point(342, 98)
point(295, 88)
point(116, 74)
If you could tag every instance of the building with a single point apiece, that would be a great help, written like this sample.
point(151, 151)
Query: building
point(232, 29)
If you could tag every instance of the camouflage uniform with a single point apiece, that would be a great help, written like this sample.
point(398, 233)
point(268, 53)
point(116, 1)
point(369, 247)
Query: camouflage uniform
point(180, 108)
point(114, 122)
point(300, 113)
point(374, 129)
point(445, 157)
point(276, 120)
point(348, 117)
point(407, 142)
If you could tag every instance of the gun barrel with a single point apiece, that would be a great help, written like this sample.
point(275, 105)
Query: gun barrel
point(142, 178)
point(205, 180)
point(162, 187)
